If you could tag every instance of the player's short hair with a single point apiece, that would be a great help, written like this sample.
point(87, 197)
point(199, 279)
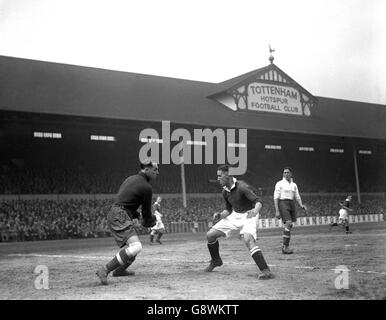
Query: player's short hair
point(287, 168)
point(223, 168)
point(148, 163)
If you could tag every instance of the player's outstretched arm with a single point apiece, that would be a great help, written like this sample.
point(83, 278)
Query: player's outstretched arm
point(148, 218)
point(255, 211)
point(277, 212)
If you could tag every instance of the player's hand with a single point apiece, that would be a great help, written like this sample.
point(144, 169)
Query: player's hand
point(136, 222)
point(277, 215)
point(217, 216)
point(252, 213)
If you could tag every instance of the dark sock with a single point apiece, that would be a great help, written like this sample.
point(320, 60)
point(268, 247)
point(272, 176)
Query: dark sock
point(159, 236)
point(334, 224)
point(151, 238)
point(214, 250)
point(258, 257)
point(115, 263)
point(347, 229)
point(126, 265)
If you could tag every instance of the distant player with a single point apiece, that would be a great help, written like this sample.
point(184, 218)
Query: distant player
point(343, 215)
point(134, 192)
point(242, 207)
point(286, 191)
point(159, 228)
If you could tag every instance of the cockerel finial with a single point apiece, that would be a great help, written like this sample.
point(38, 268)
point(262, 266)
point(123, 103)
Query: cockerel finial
point(270, 54)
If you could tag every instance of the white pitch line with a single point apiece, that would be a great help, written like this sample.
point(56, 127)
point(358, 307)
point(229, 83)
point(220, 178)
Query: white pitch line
point(56, 256)
point(304, 267)
point(166, 259)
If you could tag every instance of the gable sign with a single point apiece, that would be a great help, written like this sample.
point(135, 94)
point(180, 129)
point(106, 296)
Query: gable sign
point(269, 90)
point(273, 98)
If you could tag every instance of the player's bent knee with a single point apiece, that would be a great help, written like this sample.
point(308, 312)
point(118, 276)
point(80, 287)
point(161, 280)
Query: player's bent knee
point(211, 235)
point(288, 224)
point(249, 239)
point(133, 249)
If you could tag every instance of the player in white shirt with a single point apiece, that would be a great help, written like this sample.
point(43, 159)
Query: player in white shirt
point(343, 215)
point(286, 191)
point(159, 228)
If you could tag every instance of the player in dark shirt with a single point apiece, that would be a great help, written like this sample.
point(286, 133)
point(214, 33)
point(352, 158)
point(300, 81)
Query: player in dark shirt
point(242, 207)
point(134, 192)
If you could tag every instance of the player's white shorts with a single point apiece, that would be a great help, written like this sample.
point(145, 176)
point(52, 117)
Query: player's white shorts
point(158, 226)
point(343, 214)
point(238, 221)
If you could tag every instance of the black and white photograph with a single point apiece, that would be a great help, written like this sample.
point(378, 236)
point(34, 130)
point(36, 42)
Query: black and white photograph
point(192, 155)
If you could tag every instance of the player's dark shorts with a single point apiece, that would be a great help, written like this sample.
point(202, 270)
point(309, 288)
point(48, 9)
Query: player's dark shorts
point(120, 224)
point(287, 210)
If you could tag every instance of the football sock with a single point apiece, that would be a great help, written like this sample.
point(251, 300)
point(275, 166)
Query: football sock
point(151, 238)
point(286, 237)
point(159, 236)
point(334, 224)
point(258, 257)
point(120, 259)
point(214, 250)
point(126, 265)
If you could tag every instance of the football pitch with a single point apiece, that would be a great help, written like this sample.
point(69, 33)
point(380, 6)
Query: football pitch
point(326, 265)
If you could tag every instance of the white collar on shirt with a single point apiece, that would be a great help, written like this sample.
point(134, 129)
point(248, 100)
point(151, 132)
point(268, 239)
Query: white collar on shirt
point(292, 180)
point(232, 187)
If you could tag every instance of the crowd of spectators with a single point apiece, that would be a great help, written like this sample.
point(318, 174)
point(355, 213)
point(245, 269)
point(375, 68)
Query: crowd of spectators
point(23, 220)
point(264, 170)
point(53, 219)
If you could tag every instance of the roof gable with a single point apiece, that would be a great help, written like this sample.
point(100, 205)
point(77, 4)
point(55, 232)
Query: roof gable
point(268, 89)
point(51, 88)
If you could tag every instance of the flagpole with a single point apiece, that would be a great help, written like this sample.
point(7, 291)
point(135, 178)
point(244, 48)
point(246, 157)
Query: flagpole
point(183, 182)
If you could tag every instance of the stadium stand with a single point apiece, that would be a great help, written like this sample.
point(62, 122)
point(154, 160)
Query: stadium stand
point(28, 220)
point(51, 113)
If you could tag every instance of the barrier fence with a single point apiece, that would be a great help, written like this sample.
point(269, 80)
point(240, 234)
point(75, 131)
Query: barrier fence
point(204, 226)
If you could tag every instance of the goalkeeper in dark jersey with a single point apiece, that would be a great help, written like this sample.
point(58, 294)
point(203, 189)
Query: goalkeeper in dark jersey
point(134, 192)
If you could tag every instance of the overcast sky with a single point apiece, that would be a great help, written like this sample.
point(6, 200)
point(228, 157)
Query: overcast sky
point(333, 48)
